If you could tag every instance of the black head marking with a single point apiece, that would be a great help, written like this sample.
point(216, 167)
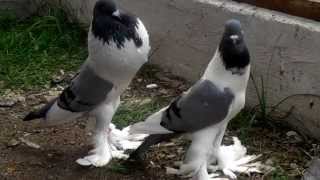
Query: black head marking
point(111, 24)
point(104, 8)
point(233, 49)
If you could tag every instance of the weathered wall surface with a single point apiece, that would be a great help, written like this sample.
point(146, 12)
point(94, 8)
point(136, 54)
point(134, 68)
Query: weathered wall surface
point(22, 8)
point(284, 49)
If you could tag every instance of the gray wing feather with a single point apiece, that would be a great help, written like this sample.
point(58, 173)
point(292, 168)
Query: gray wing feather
point(203, 106)
point(86, 91)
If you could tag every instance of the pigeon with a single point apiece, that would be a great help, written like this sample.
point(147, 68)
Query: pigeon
point(118, 45)
point(203, 112)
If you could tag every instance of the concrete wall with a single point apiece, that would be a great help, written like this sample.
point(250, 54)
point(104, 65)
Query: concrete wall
point(22, 8)
point(284, 49)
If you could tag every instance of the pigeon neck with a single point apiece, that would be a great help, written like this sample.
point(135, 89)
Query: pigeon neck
point(218, 74)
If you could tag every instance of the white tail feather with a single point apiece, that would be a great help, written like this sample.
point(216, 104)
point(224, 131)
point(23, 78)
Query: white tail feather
point(57, 116)
point(151, 125)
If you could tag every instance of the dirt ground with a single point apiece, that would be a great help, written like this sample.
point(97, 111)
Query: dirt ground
point(61, 146)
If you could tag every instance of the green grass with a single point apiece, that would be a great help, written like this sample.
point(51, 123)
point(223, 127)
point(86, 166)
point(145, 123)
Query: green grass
point(32, 50)
point(243, 122)
point(130, 112)
point(119, 168)
point(279, 174)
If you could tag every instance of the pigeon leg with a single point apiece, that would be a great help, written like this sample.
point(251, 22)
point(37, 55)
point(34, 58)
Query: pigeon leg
point(216, 144)
point(199, 152)
point(102, 153)
point(202, 174)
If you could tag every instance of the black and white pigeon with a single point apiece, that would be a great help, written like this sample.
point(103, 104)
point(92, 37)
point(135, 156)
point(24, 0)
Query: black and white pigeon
point(118, 45)
point(203, 112)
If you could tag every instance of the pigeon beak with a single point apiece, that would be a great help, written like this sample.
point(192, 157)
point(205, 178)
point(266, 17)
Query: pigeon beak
point(116, 13)
point(234, 38)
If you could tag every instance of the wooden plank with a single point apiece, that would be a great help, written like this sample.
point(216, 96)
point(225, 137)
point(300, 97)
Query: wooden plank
point(304, 8)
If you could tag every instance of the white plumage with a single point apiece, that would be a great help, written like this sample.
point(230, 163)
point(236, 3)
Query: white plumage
point(204, 111)
point(118, 45)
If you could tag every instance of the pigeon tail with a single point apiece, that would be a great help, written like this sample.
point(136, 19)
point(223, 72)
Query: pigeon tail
point(41, 113)
point(151, 125)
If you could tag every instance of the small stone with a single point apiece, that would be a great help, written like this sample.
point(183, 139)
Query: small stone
point(49, 98)
point(13, 143)
point(54, 93)
point(180, 150)
point(152, 86)
point(269, 162)
point(61, 71)
point(294, 137)
point(60, 88)
point(82, 126)
point(294, 165)
point(162, 77)
point(7, 102)
point(291, 133)
point(145, 101)
point(152, 163)
point(25, 134)
point(36, 163)
point(163, 91)
point(171, 171)
point(32, 97)
point(56, 79)
point(21, 99)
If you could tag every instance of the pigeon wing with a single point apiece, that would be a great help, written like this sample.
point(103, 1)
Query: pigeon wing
point(204, 105)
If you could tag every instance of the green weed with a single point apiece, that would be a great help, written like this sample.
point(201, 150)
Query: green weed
point(33, 50)
point(129, 113)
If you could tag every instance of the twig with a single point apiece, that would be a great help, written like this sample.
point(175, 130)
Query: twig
point(305, 152)
point(29, 143)
point(291, 96)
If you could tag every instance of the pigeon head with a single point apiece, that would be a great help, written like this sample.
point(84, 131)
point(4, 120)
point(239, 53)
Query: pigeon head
point(105, 8)
point(111, 24)
point(233, 49)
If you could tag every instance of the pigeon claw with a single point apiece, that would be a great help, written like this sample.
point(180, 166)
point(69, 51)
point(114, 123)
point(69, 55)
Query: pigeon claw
point(94, 160)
